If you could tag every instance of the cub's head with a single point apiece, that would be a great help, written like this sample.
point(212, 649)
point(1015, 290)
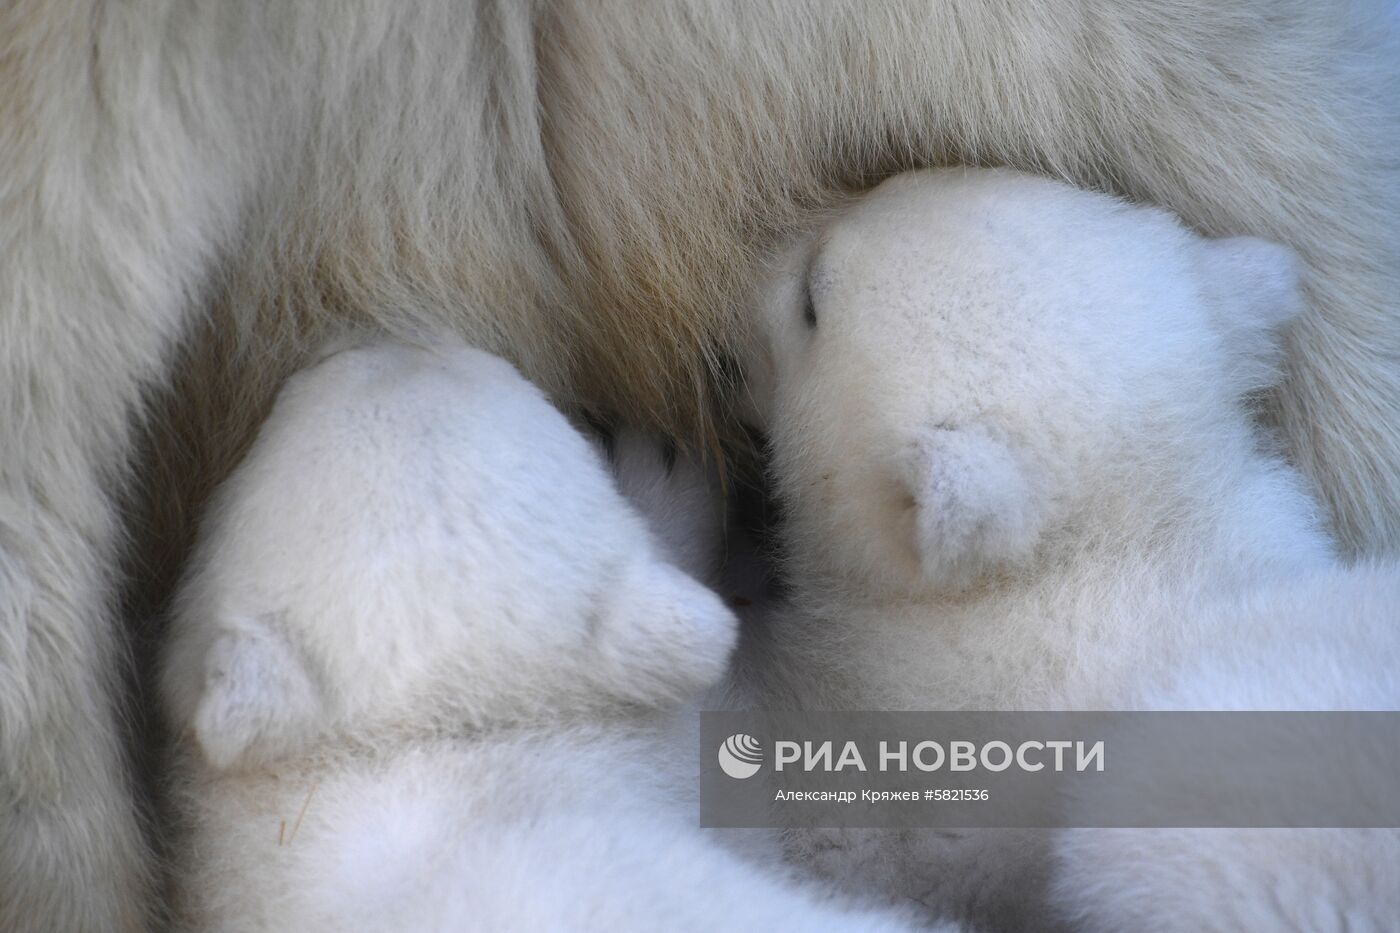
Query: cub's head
point(964, 361)
point(416, 541)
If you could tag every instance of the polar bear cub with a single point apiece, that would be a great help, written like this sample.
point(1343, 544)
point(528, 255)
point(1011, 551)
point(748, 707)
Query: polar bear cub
point(420, 536)
point(1010, 422)
point(422, 667)
point(998, 405)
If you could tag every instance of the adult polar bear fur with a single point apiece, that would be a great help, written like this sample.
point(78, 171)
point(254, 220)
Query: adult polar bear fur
point(580, 187)
point(1010, 429)
point(426, 658)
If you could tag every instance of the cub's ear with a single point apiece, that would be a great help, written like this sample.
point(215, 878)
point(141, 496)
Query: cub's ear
point(1255, 289)
point(974, 507)
point(257, 701)
point(661, 635)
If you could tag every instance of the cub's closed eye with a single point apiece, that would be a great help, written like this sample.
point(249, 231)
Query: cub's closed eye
point(809, 308)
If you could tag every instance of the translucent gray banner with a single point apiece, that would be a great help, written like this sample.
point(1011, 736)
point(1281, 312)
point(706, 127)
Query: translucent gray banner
point(1096, 769)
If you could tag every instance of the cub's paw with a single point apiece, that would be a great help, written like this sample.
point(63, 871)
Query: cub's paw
point(677, 495)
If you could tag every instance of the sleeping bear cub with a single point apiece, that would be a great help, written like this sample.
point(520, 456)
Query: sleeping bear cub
point(1010, 424)
point(423, 669)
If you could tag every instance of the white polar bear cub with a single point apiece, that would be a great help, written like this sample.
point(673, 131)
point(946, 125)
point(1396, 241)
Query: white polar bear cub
point(998, 405)
point(1010, 423)
point(421, 667)
point(420, 536)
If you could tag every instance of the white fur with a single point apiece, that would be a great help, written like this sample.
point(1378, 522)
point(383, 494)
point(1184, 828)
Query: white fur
point(1019, 463)
point(580, 187)
point(427, 659)
point(553, 827)
point(423, 530)
point(1325, 642)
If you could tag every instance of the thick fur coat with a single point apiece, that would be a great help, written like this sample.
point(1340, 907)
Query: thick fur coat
point(427, 656)
point(1011, 427)
point(1326, 641)
point(192, 193)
